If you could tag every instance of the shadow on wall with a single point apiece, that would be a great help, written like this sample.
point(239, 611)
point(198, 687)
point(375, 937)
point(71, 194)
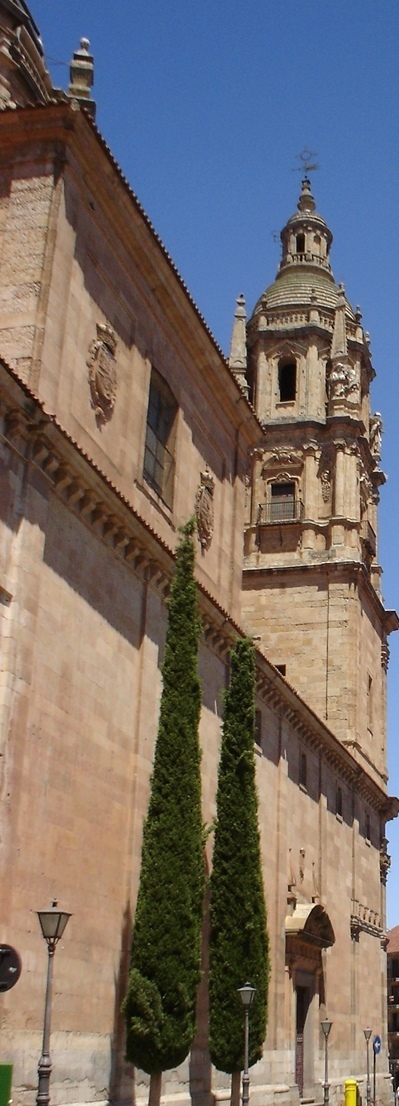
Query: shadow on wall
point(200, 1070)
point(120, 1072)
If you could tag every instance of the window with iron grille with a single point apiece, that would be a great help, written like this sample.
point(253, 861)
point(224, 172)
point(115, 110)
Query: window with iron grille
point(282, 502)
point(159, 443)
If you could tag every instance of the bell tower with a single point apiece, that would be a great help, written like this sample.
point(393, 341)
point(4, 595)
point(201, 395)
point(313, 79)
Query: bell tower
point(311, 584)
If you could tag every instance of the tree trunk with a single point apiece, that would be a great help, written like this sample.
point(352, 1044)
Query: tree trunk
point(154, 1096)
point(235, 1088)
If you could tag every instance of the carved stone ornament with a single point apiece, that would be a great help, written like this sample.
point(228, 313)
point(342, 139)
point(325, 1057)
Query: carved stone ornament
point(102, 372)
point(342, 382)
point(326, 485)
point(385, 655)
point(385, 861)
point(283, 455)
point(365, 487)
point(204, 512)
point(376, 435)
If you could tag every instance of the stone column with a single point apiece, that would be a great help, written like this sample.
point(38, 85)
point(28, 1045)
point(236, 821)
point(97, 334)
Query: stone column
point(310, 495)
point(338, 529)
point(339, 483)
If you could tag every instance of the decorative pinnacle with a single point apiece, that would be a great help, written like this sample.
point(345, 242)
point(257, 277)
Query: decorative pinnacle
point(306, 201)
point(82, 77)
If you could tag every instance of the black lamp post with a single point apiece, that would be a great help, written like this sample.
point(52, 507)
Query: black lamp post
point(52, 924)
point(367, 1034)
point(247, 995)
point(326, 1026)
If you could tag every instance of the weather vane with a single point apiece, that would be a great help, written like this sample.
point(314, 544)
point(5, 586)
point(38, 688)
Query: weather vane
point(308, 165)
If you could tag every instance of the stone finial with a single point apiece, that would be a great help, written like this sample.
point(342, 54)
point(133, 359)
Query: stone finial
point(238, 346)
point(82, 77)
point(306, 200)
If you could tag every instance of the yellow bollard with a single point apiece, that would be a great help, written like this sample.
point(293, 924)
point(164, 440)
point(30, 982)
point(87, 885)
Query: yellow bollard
point(351, 1092)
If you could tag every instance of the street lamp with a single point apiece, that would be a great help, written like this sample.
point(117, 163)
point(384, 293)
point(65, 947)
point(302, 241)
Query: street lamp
point(326, 1026)
point(52, 924)
point(247, 995)
point(367, 1034)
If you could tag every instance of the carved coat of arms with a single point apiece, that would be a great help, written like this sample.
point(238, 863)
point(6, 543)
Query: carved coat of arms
point(204, 509)
point(102, 372)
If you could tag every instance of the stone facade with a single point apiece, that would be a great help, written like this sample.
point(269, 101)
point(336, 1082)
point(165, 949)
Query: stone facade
point(120, 418)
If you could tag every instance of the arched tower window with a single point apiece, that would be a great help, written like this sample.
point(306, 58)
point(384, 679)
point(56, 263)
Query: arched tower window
point(287, 381)
point(300, 243)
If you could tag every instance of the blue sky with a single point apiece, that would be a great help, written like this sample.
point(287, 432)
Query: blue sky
point(205, 104)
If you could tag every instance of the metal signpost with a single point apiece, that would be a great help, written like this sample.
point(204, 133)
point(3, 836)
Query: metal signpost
point(376, 1050)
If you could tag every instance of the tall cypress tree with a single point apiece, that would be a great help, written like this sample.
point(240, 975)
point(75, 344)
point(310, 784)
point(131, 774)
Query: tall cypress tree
point(238, 939)
point(159, 1007)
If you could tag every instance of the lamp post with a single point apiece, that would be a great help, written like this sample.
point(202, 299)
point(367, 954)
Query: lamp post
point(367, 1034)
point(247, 995)
point(326, 1026)
point(52, 924)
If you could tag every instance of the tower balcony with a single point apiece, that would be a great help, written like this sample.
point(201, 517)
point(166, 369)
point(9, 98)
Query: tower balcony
point(306, 259)
point(280, 509)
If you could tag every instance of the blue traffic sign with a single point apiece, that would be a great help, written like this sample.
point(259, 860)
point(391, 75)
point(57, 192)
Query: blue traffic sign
point(377, 1045)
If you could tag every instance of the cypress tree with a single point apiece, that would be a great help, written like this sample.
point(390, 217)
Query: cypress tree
point(238, 939)
point(159, 1007)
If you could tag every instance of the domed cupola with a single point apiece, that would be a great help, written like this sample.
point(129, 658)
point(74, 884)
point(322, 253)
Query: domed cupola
point(306, 238)
point(303, 354)
point(304, 278)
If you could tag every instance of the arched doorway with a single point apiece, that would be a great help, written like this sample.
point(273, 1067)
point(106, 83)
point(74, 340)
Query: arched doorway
point(308, 930)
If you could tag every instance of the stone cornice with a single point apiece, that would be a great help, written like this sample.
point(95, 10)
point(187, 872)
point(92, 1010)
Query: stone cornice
point(39, 440)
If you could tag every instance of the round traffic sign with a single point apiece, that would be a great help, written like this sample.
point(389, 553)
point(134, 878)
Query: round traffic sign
point(10, 967)
point(377, 1045)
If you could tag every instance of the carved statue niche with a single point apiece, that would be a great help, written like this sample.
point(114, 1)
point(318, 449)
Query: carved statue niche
point(102, 372)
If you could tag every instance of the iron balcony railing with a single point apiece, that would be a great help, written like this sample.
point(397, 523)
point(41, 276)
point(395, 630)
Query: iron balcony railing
point(280, 509)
